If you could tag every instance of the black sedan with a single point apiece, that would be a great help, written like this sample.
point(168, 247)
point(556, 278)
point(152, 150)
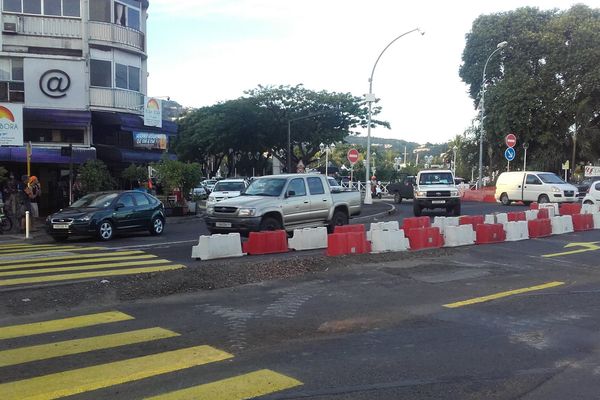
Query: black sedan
point(103, 214)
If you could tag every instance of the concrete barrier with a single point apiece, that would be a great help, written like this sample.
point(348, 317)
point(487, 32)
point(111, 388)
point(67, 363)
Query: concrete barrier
point(218, 246)
point(388, 240)
point(561, 224)
point(308, 239)
point(516, 230)
point(383, 226)
point(462, 235)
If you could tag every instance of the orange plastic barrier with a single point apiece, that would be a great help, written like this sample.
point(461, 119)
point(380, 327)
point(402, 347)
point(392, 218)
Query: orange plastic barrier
point(489, 233)
point(472, 220)
point(267, 242)
point(583, 222)
point(424, 238)
point(543, 213)
point(534, 206)
point(570, 209)
point(350, 228)
point(485, 195)
point(416, 223)
point(539, 227)
point(516, 216)
point(339, 244)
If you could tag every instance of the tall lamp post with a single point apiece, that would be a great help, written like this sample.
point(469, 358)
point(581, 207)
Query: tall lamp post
point(454, 149)
point(327, 149)
point(499, 47)
point(525, 147)
point(370, 98)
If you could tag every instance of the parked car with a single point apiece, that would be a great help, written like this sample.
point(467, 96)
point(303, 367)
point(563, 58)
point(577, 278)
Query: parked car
point(585, 184)
point(103, 214)
point(200, 191)
point(225, 189)
point(403, 188)
point(209, 184)
point(592, 196)
point(436, 189)
point(287, 202)
point(533, 186)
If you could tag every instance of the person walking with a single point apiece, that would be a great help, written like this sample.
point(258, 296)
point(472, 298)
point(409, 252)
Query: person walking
point(35, 191)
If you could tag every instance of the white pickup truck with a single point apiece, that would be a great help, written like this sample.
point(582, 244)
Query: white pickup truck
point(436, 189)
point(288, 201)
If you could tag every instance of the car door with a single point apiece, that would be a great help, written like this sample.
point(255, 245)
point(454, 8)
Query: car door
point(143, 210)
point(532, 188)
point(124, 212)
point(296, 203)
point(320, 200)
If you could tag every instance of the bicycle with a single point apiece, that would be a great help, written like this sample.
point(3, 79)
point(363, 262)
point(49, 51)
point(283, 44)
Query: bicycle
point(5, 221)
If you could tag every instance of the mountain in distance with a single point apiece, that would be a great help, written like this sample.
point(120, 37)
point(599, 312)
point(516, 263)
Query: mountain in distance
point(397, 145)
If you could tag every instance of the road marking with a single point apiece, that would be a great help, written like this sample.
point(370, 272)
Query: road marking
point(136, 246)
point(22, 245)
point(54, 250)
point(247, 386)
point(587, 246)
point(64, 324)
point(502, 294)
point(83, 267)
point(84, 275)
point(78, 346)
point(82, 380)
point(35, 248)
point(107, 257)
point(78, 256)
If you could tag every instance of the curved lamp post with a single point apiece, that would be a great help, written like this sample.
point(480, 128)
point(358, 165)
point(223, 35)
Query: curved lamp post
point(370, 98)
point(499, 47)
point(327, 149)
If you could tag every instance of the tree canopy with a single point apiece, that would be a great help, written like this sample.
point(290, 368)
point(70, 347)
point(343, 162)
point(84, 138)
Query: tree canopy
point(543, 86)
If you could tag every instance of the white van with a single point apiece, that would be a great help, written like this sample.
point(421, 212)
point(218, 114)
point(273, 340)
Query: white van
point(530, 186)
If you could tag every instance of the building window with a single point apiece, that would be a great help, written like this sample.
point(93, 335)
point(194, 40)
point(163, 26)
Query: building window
point(12, 5)
point(66, 8)
point(134, 79)
point(32, 6)
point(100, 10)
point(71, 8)
point(46, 135)
point(127, 77)
point(126, 15)
point(12, 87)
point(52, 7)
point(100, 73)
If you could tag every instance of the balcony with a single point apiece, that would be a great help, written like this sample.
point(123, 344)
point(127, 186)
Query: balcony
point(111, 34)
point(124, 100)
point(43, 26)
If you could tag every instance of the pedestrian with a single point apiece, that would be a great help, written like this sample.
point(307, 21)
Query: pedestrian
point(35, 191)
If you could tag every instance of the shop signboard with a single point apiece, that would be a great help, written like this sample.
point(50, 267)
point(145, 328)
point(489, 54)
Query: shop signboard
point(152, 112)
point(55, 84)
point(150, 141)
point(11, 124)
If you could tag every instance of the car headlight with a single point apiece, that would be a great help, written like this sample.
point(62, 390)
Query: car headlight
point(421, 193)
point(210, 210)
point(247, 212)
point(211, 199)
point(454, 193)
point(85, 218)
point(556, 190)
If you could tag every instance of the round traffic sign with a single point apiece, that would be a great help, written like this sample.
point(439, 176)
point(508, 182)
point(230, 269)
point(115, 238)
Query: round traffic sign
point(352, 156)
point(510, 154)
point(511, 140)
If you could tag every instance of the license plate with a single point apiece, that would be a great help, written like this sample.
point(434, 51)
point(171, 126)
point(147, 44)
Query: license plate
point(223, 224)
point(438, 202)
point(60, 226)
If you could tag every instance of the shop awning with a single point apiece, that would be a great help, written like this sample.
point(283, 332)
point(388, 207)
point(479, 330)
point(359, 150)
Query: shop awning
point(131, 122)
point(46, 155)
point(121, 155)
point(69, 118)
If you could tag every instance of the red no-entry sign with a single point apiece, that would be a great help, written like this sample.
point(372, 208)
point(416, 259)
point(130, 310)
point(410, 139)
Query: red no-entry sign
point(352, 156)
point(511, 140)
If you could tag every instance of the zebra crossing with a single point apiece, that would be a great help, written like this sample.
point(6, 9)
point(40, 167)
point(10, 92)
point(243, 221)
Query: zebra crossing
point(34, 264)
point(104, 376)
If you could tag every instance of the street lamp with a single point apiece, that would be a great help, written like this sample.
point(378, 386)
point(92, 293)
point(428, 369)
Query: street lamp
point(525, 147)
point(327, 149)
point(499, 47)
point(370, 98)
point(454, 149)
point(374, 156)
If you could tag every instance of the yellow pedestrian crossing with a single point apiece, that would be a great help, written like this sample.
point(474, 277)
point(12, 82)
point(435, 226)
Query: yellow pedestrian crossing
point(57, 263)
point(59, 384)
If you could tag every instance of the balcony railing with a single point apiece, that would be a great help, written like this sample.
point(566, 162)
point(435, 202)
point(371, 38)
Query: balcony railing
point(116, 98)
point(44, 26)
point(113, 33)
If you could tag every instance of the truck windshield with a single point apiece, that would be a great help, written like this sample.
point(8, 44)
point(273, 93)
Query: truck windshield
point(442, 178)
point(265, 187)
point(229, 187)
point(550, 178)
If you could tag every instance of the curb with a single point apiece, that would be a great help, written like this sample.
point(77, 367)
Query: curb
point(391, 211)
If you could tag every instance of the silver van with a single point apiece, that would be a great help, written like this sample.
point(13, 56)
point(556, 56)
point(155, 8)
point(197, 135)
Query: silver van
point(530, 186)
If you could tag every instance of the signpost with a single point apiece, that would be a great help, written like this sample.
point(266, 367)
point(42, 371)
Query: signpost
point(510, 140)
point(352, 158)
point(565, 168)
point(510, 153)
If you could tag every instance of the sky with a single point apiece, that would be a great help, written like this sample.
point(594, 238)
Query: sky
point(206, 51)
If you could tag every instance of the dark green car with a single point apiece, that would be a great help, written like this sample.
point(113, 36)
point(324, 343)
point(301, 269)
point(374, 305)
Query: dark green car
point(103, 214)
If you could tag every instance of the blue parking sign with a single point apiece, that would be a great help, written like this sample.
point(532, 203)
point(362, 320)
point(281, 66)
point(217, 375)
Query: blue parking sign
point(510, 153)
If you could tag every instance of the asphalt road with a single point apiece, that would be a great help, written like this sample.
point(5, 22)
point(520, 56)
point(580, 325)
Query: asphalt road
point(515, 320)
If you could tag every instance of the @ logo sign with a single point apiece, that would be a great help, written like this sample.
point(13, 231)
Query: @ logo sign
point(55, 83)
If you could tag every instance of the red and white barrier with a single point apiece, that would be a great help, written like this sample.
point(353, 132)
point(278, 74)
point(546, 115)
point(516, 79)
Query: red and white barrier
point(516, 230)
point(388, 240)
point(218, 246)
point(462, 235)
point(308, 239)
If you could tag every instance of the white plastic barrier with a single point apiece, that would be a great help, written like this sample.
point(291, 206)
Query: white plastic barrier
point(445, 222)
point(218, 246)
point(516, 230)
point(589, 209)
point(531, 215)
point(462, 235)
point(596, 220)
point(561, 224)
point(502, 218)
point(383, 226)
point(388, 240)
point(489, 219)
point(552, 209)
point(308, 239)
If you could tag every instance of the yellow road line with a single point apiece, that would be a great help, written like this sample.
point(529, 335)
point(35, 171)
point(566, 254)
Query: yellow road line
point(35, 248)
point(85, 267)
point(82, 380)
point(66, 250)
point(84, 275)
point(78, 346)
point(247, 386)
point(502, 294)
point(78, 256)
point(22, 245)
point(63, 324)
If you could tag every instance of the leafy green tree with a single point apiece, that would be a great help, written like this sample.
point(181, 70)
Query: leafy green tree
point(95, 177)
point(177, 174)
point(134, 174)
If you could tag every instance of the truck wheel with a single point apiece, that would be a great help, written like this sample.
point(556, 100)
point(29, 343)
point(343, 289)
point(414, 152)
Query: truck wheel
point(504, 199)
point(270, 224)
point(416, 209)
point(339, 218)
point(543, 199)
point(397, 198)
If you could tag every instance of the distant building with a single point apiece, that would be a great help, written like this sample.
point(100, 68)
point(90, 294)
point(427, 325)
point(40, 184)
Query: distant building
point(78, 71)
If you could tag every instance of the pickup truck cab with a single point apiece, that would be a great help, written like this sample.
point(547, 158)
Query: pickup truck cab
point(436, 189)
point(288, 201)
point(402, 189)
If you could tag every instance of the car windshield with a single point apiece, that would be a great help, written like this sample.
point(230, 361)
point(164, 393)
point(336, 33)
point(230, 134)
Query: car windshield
point(100, 200)
point(229, 187)
point(442, 178)
point(550, 178)
point(266, 187)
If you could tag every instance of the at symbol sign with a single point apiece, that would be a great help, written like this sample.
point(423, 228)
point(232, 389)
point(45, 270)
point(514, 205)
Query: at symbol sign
point(55, 83)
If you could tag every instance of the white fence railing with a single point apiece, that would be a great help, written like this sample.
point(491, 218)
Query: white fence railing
point(116, 98)
point(44, 26)
point(360, 186)
point(113, 33)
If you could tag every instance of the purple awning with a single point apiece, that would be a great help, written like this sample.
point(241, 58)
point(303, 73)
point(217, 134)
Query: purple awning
point(70, 118)
point(46, 155)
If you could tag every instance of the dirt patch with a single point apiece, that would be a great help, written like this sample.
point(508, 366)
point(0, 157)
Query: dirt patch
point(347, 325)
